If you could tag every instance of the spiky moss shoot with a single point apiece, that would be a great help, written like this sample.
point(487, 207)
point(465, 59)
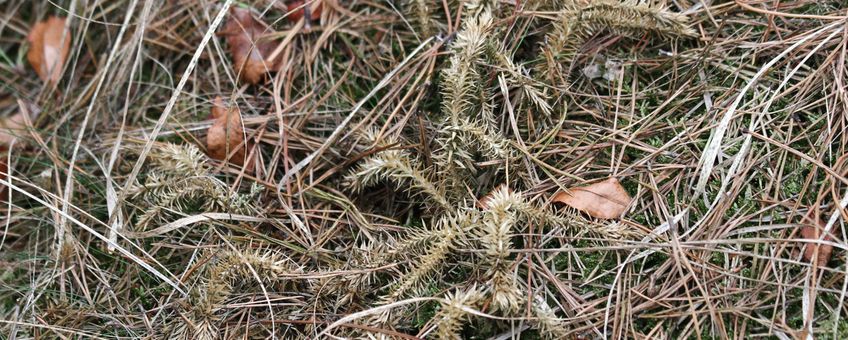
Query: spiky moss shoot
point(461, 80)
point(574, 223)
point(567, 219)
point(464, 98)
point(547, 322)
point(346, 291)
point(223, 273)
point(450, 233)
point(515, 74)
point(399, 167)
point(630, 18)
point(182, 160)
point(179, 182)
point(491, 144)
point(450, 319)
point(495, 233)
point(581, 19)
point(458, 146)
point(415, 240)
point(422, 12)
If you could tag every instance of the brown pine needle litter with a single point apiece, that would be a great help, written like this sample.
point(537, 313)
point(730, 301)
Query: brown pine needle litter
point(408, 169)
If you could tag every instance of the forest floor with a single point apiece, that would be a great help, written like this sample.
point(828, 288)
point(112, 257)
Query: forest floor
point(478, 169)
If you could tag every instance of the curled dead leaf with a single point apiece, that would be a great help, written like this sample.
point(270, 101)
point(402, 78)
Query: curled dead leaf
point(243, 32)
point(11, 127)
point(49, 47)
point(812, 230)
point(226, 136)
point(299, 8)
point(606, 200)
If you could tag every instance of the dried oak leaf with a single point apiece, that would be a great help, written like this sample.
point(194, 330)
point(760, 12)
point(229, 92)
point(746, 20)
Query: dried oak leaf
point(606, 200)
point(243, 32)
point(49, 48)
point(297, 10)
point(11, 127)
point(226, 136)
point(813, 229)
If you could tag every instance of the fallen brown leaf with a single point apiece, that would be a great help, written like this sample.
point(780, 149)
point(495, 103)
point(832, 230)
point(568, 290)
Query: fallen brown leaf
point(11, 127)
point(48, 48)
point(243, 33)
point(606, 200)
point(813, 229)
point(297, 10)
point(226, 136)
